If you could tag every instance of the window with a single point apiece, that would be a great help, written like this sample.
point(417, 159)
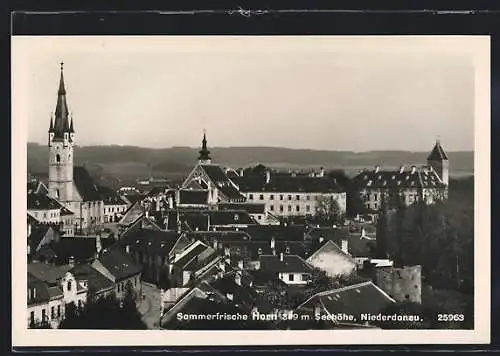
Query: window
point(58, 158)
point(58, 311)
point(69, 285)
point(297, 197)
point(45, 215)
point(32, 317)
point(308, 208)
point(250, 197)
point(305, 277)
point(118, 287)
point(287, 250)
point(289, 197)
point(308, 197)
point(52, 312)
point(297, 208)
point(291, 277)
point(272, 207)
point(289, 208)
point(281, 208)
point(44, 316)
point(259, 217)
point(281, 196)
point(79, 304)
point(261, 197)
point(271, 197)
point(375, 206)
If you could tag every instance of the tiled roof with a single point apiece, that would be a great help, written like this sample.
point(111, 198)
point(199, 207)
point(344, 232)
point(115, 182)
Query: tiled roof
point(330, 247)
point(132, 214)
point(85, 185)
point(32, 220)
point(262, 277)
point(421, 177)
point(437, 153)
point(195, 251)
point(80, 248)
point(42, 202)
point(354, 300)
point(210, 236)
point(257, 248)
point(97, 282)
point(223, 183)
point(230, 217)
point(290, 264)
point(41, 293)
point(66, 212)
point(36, 236)
point(119, 265)
point(278, 232)
point(190, 197)
point(251, 208)
point(154, 242)
point(288, 184)
point(47, 273)
point(329, 233)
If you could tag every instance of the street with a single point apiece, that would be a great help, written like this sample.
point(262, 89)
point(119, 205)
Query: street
point(149, 307)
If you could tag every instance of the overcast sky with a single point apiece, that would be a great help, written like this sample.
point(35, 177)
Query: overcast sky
point(318, 93)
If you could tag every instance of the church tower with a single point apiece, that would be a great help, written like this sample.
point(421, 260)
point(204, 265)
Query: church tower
point(204, 157)
point(61, 141)
point(438, 160)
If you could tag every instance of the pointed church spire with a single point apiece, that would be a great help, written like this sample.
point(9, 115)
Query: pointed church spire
point(204, 152)
point(71, 129)
point(51, 125)
point(61, 124)
point(437, 153)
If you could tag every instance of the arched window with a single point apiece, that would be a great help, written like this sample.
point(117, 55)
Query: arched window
point(57, 193)
point(58, 158)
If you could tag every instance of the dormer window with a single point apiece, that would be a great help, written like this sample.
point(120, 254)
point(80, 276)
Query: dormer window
point(287, 250)
point(259, 251)
point(236, 217)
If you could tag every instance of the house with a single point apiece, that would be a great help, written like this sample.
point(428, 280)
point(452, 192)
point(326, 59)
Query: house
point(332, 259)
point(98, 285)
point(154, 250)
point(71, 186)
point(120, 269)
point(256, 211)
point(40, 235)
point(135, 212)
point(44, 208)
point(50, 290)
point(114, 205)
point(190, 263)
point(291, 194)
point(355, 303)
point(291, 269)
point(208, 176)
point(71, 249)
point(427, 183)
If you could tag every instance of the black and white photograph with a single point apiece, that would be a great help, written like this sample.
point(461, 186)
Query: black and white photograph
point(260, 185)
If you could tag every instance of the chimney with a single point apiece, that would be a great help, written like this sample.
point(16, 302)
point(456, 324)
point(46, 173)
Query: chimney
point(71, 261)
point(282, 256)
point(241, 171)
point(34, 293)
point(237, 279)
point(321, 239)
point(240, 264)
point(363, 233)
point(268, 177)
point(215, 244)
point(98, 244)
point(413, 169)
point(147, 213)
point(127, 249)
point(170, 202)
point(401, 169)
point(273, 243)
point(377, 169)
point(29, 229)
point(344, 246)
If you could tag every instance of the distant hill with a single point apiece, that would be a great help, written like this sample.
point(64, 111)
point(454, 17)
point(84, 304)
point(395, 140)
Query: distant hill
point(128, 162)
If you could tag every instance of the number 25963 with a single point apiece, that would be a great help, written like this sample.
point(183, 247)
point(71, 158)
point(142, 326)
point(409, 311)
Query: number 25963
point(450, 317)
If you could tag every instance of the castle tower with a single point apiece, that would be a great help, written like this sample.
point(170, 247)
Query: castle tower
point(61, 141)
point(438, 160)
point(204, 157)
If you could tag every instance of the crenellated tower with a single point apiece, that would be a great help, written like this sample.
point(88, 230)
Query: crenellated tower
point(61, 142)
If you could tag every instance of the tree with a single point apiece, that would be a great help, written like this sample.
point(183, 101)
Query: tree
point(328, 210)
point(104, 313)
point(321, 282)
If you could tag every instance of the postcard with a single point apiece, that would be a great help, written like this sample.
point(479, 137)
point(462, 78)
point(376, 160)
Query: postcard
point(239, 190)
